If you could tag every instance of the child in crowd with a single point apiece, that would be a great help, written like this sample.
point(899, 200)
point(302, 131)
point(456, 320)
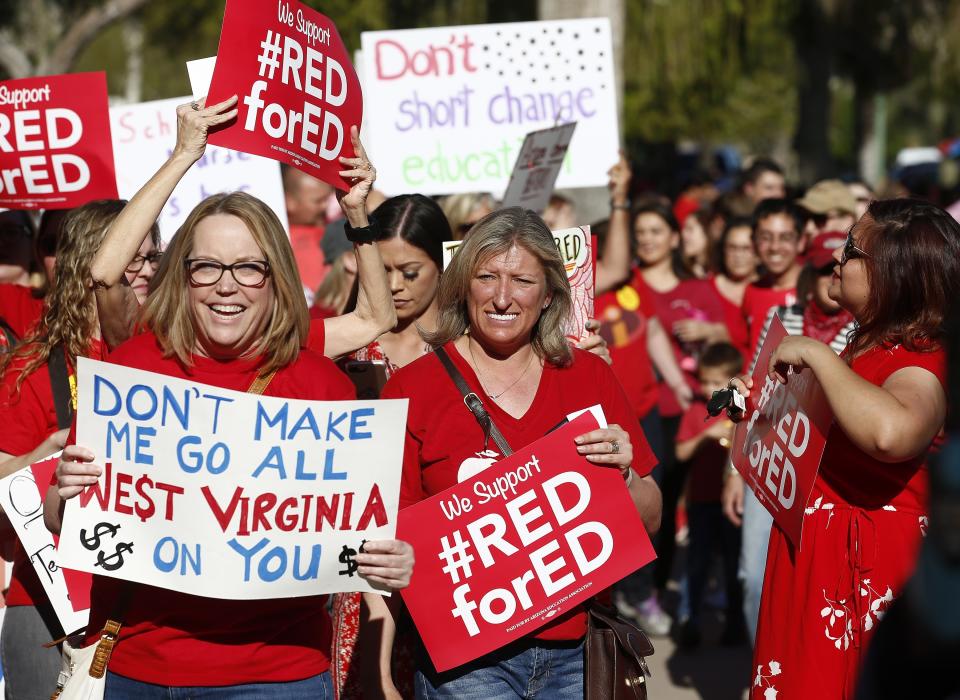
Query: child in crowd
point(705, 442)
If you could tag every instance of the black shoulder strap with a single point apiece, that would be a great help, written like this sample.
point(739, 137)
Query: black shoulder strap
point(473, 402)
point(60, 382)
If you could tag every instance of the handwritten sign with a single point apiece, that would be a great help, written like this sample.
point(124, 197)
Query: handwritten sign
point(144, 135)
point(778, 445)
point(537, 167)
point(299, 94)
point(524, 541)
point(21, 497)
point(228, 494)
point(454, 103)
point(55, 142)
point(575, 246)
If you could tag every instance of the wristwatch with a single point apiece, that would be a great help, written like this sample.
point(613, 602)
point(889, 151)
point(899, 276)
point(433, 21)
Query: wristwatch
point(365, 234)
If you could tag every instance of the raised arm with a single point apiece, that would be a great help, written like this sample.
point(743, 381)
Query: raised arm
point(374, 314)
point(613, 266)
point(116, 303)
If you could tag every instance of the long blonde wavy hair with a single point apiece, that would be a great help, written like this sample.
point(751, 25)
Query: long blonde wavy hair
point(69, 309)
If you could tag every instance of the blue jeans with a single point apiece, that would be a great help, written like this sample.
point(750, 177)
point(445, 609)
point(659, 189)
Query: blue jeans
point(554, 670)
point(757, 522)
point(314, 688)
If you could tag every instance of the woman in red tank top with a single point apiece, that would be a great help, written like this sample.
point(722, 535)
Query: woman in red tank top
point(896, 274)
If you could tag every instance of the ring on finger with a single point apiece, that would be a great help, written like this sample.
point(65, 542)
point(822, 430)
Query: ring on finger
point(614, 447)
point(195, 106)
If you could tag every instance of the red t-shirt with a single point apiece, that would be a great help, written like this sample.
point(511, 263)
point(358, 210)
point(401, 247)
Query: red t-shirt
point(624, 315)
point(736, 325)
point(696, 299)
point(305, 241)
point(847, 474)
point(705, 481)
point(443, 436)
point(317, 337)
point(175, 639)
point(20, 309)
point(28, 417)
point(758, 299)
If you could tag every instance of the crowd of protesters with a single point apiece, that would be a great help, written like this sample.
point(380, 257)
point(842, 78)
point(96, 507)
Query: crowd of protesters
point(686, 290)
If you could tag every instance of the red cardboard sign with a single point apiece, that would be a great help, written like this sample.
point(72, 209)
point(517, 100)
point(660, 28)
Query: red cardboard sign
point(55, 146)
point(508, 550)
point(298, 92)
point(778, 445)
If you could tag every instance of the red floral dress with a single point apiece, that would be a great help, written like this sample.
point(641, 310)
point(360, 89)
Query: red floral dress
point(346, 609)
point(862, 530)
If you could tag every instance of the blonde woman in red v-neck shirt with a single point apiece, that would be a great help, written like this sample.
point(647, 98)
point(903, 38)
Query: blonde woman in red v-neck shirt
point(502, 302)
point(227, 308)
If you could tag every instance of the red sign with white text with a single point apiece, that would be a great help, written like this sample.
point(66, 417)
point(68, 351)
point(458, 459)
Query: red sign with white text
point(298, 92)
point(778, 445)
point(514, 547)
point(55, 147)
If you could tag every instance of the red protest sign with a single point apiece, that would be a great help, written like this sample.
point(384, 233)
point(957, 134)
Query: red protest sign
point(778, 446)
point(298, 92)
point(55, 146)
point(511, 548)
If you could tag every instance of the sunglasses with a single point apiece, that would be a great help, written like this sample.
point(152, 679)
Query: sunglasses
point(851, 251)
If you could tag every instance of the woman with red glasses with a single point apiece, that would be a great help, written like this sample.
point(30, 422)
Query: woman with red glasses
point(897, 272)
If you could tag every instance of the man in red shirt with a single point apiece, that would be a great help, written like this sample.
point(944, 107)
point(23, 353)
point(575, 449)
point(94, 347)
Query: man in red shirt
point(307, 200)
point(777, 236)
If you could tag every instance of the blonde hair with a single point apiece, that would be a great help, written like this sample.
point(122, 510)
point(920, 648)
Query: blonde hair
point(458, 207)
point(335, 289)
point(494, 235)
point(168, 314)
point(69, 308)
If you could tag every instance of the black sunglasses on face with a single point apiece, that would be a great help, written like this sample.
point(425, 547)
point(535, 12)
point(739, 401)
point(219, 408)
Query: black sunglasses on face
point(851, 251)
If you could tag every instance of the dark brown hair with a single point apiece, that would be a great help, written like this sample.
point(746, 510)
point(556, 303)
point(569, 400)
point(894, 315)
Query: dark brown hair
point(913, 272)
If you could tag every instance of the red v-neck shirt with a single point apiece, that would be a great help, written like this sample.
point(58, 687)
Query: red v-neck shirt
point(442, 433)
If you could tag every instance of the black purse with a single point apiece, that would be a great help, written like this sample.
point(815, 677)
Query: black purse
point(614, 649)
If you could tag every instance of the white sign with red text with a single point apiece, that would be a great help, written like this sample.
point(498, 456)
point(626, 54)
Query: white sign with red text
point(455, 103)
point(144, 135)
point(229, 494)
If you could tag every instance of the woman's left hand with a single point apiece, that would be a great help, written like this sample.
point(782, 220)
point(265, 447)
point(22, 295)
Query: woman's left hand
point(690, 330)
point(608, 446)
point(793, 351)
point(593, 342)
point(361, 171)
point(386, 563)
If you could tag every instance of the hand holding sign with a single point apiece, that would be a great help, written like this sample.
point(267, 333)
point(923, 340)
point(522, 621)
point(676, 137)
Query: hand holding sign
point(194, 121)
point(75, 471)
point(790, 353)
point(362, 174)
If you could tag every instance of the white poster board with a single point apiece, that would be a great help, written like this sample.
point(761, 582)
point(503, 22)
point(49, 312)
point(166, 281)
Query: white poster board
point(144, 136)
point(228, 494)
point(453, 104)
point(21, 498)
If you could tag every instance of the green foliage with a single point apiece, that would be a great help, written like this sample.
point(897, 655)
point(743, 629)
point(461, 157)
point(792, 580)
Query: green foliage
point(708, 70)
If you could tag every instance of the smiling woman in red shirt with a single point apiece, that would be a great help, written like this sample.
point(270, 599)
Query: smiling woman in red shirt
point(502, 302)
point(227, 310)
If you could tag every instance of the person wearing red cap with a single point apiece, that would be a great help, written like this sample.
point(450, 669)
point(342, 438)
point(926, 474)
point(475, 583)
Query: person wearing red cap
point(817, 316)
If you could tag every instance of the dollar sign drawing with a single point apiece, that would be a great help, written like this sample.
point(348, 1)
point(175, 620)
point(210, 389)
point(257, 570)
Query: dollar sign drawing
point(115, 560)
point(346, 557)
point(93, 541)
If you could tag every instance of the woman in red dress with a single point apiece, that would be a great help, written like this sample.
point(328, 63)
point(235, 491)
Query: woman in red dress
point(867, 513)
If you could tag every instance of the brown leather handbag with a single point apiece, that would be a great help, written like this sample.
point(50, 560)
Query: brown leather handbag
point(615, 651)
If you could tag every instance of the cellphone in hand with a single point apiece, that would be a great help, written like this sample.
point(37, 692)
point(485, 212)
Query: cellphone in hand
point(368, 376)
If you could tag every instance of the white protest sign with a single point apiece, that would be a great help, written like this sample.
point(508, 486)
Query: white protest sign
point(21, 497)
point(229, 494)
point(454, 103)
point(144, 135)
point(200, 72)
point(537, 167)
